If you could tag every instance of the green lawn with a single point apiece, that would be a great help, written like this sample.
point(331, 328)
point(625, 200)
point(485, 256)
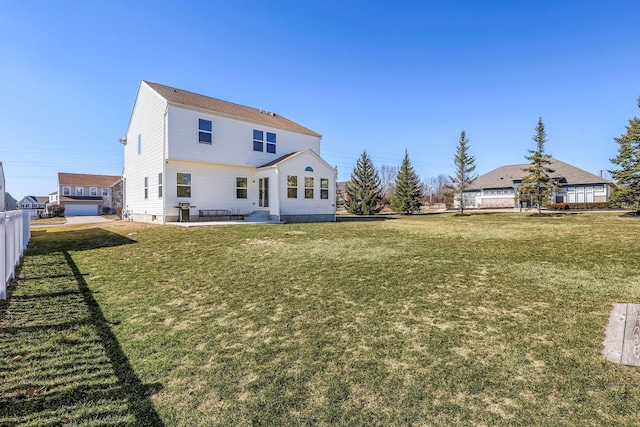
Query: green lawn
point(434, 320)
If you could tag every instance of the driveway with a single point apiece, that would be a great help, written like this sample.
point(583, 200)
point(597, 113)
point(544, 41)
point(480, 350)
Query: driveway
point(75, 220)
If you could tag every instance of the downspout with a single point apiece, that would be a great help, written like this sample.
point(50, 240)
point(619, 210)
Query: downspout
point(123, 178)
point(278, 193)
point(164, 162)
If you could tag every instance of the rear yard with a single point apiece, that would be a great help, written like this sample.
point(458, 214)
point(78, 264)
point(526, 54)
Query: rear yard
point(435, 320)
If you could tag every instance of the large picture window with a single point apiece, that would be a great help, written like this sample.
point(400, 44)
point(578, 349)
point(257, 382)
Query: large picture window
point(324, 188)
point(292, 187)
point(184, 184)
point(205, 128)
point(241, 188)
point(308, 187)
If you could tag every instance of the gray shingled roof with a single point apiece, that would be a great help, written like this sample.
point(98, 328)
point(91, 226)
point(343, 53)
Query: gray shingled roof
point(504, 176)
point(279, 159)
point(194, 100)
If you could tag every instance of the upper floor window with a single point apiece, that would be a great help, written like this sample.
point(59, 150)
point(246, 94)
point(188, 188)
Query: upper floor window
point(205, 128)
point(324, 188)
point(93, 191)
point(308, 187)
point(292, 187)
point(139, 143)
point(241, 188)
point(184, 184)
point(66, 190)
point(105, 192)
point(258, 140)
point(271, 142)
point(79, 191)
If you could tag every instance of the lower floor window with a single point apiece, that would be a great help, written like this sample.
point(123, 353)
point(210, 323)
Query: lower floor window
point(292, 186)
point(184, 184)
point(308, 187)
point(324, 188)
point(241, 188)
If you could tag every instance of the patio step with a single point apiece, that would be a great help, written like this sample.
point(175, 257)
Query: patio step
point(259, 216)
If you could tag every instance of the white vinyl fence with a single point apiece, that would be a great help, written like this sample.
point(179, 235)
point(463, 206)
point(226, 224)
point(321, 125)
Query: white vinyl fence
point(15, 231)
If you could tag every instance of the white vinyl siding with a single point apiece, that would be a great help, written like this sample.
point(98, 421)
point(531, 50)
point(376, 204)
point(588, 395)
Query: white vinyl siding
point(233, 140)
point(210, 188)
point(147, 120)
point(301, 205)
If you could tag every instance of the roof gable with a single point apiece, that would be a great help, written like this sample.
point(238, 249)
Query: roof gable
point(505, 176)
point(290, 156)
point(217, 106)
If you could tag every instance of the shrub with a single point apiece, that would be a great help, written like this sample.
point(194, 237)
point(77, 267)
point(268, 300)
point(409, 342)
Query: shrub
point(55, 210)
point(579, 206)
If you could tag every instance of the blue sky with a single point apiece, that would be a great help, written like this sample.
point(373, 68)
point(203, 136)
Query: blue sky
point(384, 76)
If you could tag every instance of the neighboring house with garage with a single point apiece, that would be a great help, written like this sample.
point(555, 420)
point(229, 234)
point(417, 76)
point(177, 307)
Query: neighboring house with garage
point(87, 194)
point(499, 188)
point(189, 156)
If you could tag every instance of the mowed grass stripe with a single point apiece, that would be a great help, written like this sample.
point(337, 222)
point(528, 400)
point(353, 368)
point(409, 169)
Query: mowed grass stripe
point(493, 319)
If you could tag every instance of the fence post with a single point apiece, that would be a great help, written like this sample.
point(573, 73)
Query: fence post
point(3, 261)
point(15, 232)
point(26, 228)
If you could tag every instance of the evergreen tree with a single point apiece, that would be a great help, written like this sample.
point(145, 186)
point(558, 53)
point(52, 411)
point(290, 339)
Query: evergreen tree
point(465, 165)
point(364, 191)
point(627, 194)
point(538, 185)
point(408, 193)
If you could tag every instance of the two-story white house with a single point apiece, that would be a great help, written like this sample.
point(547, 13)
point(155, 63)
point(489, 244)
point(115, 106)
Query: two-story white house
point(184, 149)
point(35, 205)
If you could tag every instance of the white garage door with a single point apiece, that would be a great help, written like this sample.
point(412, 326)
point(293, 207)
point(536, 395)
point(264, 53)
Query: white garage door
point(80, 210)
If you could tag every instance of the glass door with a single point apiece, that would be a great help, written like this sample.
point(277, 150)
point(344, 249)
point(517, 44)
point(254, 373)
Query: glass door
point(263, 192)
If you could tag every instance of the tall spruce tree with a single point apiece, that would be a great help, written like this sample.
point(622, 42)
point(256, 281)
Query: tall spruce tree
point(465, 165)
point(408, 193)
point(627, 194)
point(364, 191)
point(538, 185)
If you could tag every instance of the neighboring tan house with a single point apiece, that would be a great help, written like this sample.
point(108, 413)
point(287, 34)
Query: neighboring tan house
point(86, 194)
point(36, 205)
point(499, 188)
point(187, 155)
